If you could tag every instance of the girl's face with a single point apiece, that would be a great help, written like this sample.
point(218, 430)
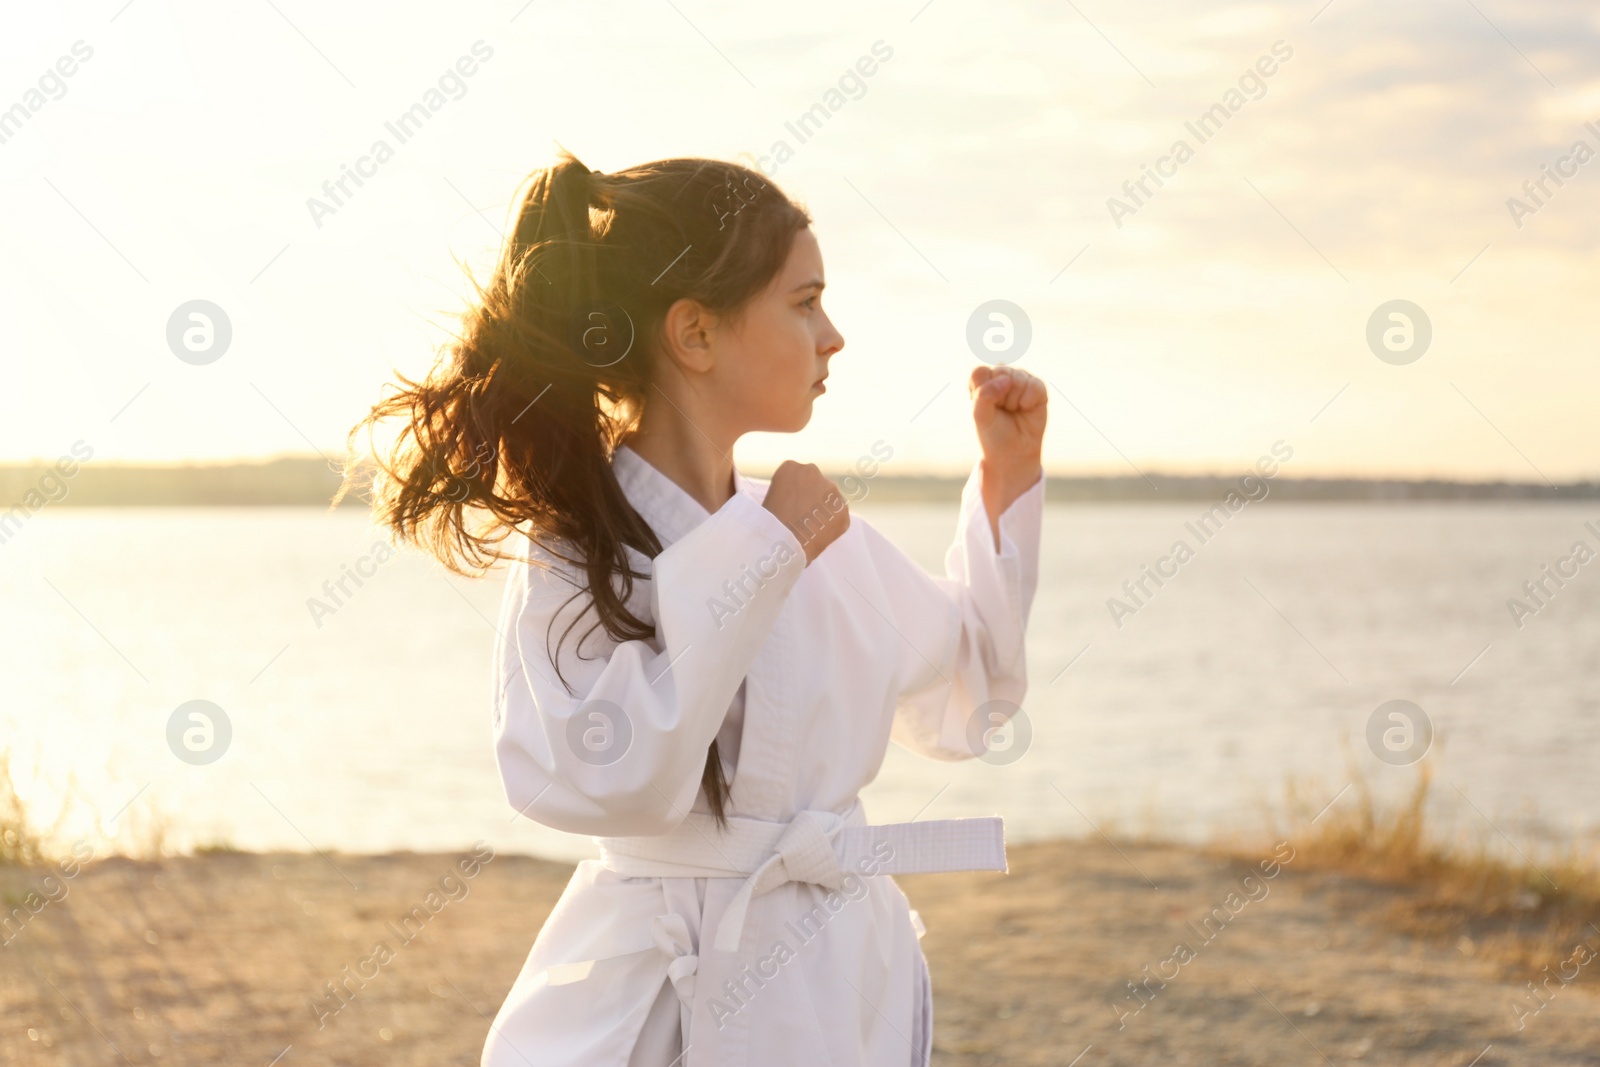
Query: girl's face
point(773, 357)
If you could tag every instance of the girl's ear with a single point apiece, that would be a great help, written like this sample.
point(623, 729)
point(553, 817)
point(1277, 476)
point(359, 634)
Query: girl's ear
point(687, 330)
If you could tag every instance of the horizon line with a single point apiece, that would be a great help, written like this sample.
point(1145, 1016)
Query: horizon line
point(945, 472)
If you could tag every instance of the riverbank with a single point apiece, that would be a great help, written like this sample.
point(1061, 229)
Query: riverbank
point(223, 958)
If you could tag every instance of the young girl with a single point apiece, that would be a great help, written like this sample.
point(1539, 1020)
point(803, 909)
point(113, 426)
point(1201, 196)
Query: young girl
point(699, 668)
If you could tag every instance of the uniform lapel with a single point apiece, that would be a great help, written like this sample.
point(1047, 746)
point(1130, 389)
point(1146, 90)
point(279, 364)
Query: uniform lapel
point(763, 778)
point(662, 502)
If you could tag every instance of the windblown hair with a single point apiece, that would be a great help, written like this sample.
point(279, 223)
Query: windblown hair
point(515, 425)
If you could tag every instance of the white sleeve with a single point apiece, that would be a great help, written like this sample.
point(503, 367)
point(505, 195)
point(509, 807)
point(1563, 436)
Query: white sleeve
point(963, 657)
point(622, 754)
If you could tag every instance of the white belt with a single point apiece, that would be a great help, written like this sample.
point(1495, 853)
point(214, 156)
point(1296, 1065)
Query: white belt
point(815, 846)
point(820, 847)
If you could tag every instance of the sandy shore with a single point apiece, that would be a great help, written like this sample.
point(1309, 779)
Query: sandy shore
point(222, 959)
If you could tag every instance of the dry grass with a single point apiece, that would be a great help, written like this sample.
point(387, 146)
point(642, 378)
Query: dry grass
point(22, 842)
point(28, 841)
point(1527, 906)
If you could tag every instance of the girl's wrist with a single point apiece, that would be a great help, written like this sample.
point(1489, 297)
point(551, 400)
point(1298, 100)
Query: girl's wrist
point(1006, 480)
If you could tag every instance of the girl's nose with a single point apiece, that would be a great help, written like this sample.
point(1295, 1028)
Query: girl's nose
point(832, 340)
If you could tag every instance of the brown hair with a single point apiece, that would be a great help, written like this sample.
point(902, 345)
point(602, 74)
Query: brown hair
point(515, 425)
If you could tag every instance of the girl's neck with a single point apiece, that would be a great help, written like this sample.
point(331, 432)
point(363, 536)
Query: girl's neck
point(673, 446)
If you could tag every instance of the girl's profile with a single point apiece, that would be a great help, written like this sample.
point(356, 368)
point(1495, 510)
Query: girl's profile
point(698, 667)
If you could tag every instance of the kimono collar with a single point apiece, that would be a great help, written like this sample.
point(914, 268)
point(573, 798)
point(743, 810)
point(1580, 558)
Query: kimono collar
point(662, 502)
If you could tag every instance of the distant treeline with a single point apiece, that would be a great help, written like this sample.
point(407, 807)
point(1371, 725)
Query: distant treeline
point(311, 481)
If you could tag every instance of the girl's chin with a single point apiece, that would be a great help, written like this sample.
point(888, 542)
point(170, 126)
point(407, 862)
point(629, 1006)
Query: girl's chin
point(792, 423)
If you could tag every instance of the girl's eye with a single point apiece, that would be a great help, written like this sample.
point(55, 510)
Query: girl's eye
point(810, 302)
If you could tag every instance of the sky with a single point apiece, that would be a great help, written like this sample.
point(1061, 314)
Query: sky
point(990, 155)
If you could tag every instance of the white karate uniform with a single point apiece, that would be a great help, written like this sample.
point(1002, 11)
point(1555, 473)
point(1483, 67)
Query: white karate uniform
point(784, 941)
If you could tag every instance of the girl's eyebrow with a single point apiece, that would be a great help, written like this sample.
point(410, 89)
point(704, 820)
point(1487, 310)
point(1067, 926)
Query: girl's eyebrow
point(815, 283)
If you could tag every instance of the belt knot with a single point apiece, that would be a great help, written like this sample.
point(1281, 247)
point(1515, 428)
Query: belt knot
point(671, 935)
point(804, 853)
